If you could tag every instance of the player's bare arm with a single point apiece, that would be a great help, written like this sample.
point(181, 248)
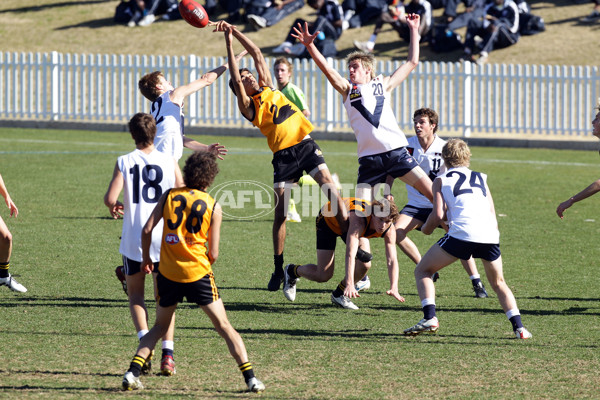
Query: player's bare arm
point(584, 194)
point(180, 93)
point(244, 101)
point(264, 74)
point(214, 233)
point(437, 215)
point(217, 149)
point(341, 85)
point(111, 198)
point(9, 203)
point(147, 265)
point(413, 21)
point(392, 263)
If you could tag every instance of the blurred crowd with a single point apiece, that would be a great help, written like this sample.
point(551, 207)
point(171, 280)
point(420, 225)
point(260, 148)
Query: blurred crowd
point(485, 25)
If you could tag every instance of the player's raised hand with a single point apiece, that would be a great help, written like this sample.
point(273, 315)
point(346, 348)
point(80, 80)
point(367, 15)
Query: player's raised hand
point(222, 26)
point(218, 150)
point(413, 20)
point(303, 35)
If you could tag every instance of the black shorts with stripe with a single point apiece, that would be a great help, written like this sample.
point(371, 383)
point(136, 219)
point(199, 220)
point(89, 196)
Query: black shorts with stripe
point(289, 164)
point(132, 267)
point(464, 250)
point(326, 238)
point(375, 168)
point(202, 292)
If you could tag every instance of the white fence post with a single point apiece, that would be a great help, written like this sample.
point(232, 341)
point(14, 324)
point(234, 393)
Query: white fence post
point(55, 85)
point(467, 99)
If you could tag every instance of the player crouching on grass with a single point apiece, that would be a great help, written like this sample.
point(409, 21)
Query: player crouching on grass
point(464, 197)
point(192, 218)
point(367, 220)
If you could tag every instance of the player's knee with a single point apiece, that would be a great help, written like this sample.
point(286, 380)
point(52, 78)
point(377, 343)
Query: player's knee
point(6, 237)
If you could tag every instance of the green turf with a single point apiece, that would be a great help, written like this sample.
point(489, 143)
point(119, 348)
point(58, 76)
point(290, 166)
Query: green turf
point(71, 336)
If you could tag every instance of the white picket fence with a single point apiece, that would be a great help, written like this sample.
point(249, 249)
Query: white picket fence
point(496, 98)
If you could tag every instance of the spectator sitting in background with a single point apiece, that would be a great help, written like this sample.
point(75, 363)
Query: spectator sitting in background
point(262, 17)
point(499, 28)
point(359, 13)
point(328, 22)
point(396, 17)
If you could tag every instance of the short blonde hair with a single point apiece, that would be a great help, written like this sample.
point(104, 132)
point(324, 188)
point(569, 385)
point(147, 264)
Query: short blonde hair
point(367, 60)
point(456, 153)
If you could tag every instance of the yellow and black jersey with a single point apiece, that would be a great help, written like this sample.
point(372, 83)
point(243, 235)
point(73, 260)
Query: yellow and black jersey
point(187, 215)
point(360, 207)
point(279, 119)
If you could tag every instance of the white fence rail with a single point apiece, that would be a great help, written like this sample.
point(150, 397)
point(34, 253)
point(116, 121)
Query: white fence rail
point(516, 99)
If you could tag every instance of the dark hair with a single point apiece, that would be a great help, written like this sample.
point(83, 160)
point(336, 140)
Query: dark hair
point(200, 170)
point(142, 127)
point(147, 85)
point(429, 113)
point(231, 80)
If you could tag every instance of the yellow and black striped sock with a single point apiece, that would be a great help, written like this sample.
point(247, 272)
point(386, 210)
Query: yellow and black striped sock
point(247, 370)
point(4, 269)
point(340, 289)
point(136, 365)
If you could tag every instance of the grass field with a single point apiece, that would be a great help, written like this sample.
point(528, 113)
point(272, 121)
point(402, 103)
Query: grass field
point(70, 336)
point(86, 26)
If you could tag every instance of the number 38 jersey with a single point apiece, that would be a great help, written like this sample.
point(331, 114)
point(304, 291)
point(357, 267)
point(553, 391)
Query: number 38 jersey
point(372, 119)
point(146, 177)
point(469, 212)
point(187, 214)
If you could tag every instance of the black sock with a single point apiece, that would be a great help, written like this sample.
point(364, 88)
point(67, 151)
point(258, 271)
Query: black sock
point(167, 352)
point(136, 365)
point(429, 311)
point(476, 282)
point(4, 269)
point(339, 290)
point(293, 272)
point(278, 260)
point(516, 322)
point(247, 371)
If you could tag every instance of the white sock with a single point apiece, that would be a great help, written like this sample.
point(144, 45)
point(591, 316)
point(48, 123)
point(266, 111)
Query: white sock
point(475, 276)
point(168, 344)
point(511, 313)
point(427, 302)
point(141, 333)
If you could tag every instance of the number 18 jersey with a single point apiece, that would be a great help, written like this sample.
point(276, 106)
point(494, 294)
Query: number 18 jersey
point(187, 214)
point(470, 216)
point(146, 177)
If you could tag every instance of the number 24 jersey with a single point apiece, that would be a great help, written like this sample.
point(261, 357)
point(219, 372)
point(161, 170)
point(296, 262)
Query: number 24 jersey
point(469, 211)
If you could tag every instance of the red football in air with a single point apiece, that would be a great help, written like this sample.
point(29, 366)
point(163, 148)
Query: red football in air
point(193, 13)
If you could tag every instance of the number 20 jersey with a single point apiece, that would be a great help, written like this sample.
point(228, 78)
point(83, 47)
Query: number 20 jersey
point(372, 119)
point(146, 178)
point(187, 214)
point(470, 216)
